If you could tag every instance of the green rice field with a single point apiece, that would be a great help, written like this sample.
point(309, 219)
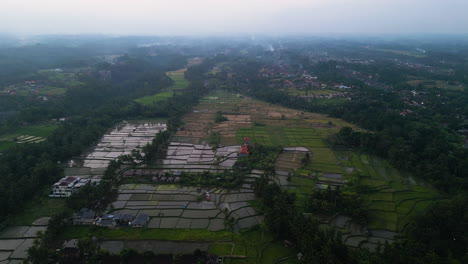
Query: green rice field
point(180, 83)
point(27, 134)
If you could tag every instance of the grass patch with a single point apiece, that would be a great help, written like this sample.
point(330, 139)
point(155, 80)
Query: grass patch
point(147, 100)
point(4, 145)
point(37, 130)
point(38, 208)
point(169, 187)
point(146, 233)
point(276, 251)
point(383, 220)
point(220, 249)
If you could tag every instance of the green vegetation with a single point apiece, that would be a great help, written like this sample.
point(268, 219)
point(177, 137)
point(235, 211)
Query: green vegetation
point(221, 249)
point(226, 179)
point(42, 206)
point(329, 102)
point(315, 91)
point(391, 195)
point(4, 145)
point(281, 136)
point(438, 84)
point(33, 130)
point(180, 82)
point(162, 96)
point(214, 138)
point(8, 139)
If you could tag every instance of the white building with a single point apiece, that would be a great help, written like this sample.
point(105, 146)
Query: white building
point(66, 186)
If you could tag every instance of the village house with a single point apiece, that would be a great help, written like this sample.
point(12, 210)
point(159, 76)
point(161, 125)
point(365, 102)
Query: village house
point(123, 219)
point(70, 251)
point(106, 220)
point(84, 216)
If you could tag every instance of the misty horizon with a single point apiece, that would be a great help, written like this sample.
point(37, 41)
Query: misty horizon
point(209, 17)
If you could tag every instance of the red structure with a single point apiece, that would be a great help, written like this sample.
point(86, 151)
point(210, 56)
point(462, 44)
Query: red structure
point(244, 150)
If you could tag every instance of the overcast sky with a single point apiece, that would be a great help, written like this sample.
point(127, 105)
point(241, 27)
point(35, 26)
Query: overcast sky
point(180, 17)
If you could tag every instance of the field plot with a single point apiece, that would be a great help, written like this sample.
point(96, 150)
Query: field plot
point(253, 246)
point(291, 158)
point(28, 134)
point(199, 158)
point(16, 240)
point(179, 84)
point(172, 206)
point(120, 141)
point(437, 84)
point(178, 77)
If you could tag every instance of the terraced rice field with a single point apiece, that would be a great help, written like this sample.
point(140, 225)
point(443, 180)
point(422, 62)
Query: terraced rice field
point(179, 84)
point(120, 141)
point(173, 206)
point(193, 158)
point(394, 196)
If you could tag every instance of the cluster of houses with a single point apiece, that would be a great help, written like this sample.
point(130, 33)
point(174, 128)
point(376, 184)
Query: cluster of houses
point(31, 86)
point(324, 96)
point(89, 217)
point(156, 175)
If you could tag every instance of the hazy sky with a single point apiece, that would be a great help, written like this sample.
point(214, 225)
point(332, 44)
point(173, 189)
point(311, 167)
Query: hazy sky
point(176, 17)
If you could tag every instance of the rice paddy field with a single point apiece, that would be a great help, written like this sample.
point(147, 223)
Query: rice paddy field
point(178, 218)
point(25, 135)
point(179, 84)
point(252, 246)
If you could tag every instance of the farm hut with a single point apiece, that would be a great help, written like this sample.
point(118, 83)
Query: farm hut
point(140, 221)
point(106, 220)
point(70, 250)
